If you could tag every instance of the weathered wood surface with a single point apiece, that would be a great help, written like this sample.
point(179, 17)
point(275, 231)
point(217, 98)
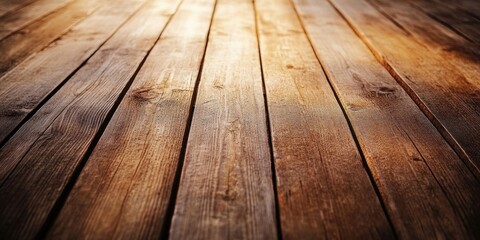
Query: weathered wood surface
point(26, 41)
point(24, 88)
point(10, 7)
point(461, 53)
point(265, 119)
point(42, 156)
point(12, 22)
point(463, 22)
point(226, 188)
point(320, 177)
point(427, 177)
point(471, 7)
point(140, 148)
point(445, 95)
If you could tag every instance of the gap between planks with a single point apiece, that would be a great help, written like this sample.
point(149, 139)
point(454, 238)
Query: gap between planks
point(35, 221)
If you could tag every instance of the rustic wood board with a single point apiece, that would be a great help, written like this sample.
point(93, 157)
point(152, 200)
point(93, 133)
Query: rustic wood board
point(41, 157)
point(461, 53)
point(264, 119)
point(458, 20)
point(471, 7)
point(21, 44)
point(132, 169)
point(226, 188)
point(10, 7)
point(417, 173)
point(321, 182)
point(12, 22)
point(446, 96)
point(25, 87)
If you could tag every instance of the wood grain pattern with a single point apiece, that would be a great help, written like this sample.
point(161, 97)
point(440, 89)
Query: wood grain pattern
point(12, 22)
point(416, 171)
point(24, 88)
point(10, 7)
point(321, 182)
point(263, 119)
point(461, 53)
point(40, 158)
point(21, 44)
point(226, 188)
point(471, 7)
point(132, 169)
point(457, 19)
point(448, 99)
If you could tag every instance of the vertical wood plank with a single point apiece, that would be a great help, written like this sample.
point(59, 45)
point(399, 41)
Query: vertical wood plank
point(132, 169)
point(324, 191)
point(226, 186)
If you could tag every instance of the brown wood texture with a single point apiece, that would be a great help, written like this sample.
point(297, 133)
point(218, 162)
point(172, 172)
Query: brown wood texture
point(226, 188)
point(10, 7)
point(41, 157)
point(23, 89)
point(461, 53)
point(471, 7)
point(21, 44)
point(12, 22)
point(450, 100)
point(132, 170)
point(459, 20)
point(427, 177)
point(239, 119)
point(321, 181)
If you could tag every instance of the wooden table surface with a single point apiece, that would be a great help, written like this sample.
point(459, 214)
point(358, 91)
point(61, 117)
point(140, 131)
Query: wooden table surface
point(239, 119)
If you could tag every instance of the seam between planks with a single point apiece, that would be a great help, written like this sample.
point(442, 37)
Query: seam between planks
point(165, 231)
point(60, 85)
point(396, 23)
point(387, 16)
point(352, 131)
point(59, 203)
point(35, 19)
point(141, 65)
point(430, 116)
point(442, 22)
point(452, 206)
point(269, 131)
point(18, 8)
point(471, 14)
point(47, 44)
point(444, 132)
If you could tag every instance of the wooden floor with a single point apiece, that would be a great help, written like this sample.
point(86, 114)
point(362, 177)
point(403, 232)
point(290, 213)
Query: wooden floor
point(239, 119)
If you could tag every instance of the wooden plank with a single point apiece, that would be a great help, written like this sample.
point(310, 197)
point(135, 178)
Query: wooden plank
point(12, 22)
point(323, 189)
point(21, 44)
point(132, 169)
point(226, 188)
point(40, 158)
point(448, 99)
point(9, 6)
point(429, 192)
point(461, 53)
point(471, 7)
point(456, 19)
point(20, 94)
